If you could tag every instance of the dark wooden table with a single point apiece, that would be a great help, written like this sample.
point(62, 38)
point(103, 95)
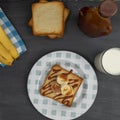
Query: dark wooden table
point(14, 101)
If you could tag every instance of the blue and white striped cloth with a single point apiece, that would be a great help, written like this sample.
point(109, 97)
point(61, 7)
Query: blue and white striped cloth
point(11, 33)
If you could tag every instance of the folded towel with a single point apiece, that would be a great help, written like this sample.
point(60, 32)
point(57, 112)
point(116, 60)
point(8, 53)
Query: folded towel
point(11, 33)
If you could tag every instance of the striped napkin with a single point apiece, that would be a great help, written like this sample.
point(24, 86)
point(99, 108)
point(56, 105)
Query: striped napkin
point(11, 33)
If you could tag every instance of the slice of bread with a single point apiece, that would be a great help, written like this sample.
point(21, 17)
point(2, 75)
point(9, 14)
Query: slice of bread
point(61, 85)
point(66, 14)
point(48, 18)
point(30, 23)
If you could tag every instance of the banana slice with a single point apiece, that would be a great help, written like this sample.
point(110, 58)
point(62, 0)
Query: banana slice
point(66, 89)
point(61, 79)
point(5, 57)
point(4, 40)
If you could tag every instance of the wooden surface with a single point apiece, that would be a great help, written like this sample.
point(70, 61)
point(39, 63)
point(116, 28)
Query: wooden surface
point(14, 101)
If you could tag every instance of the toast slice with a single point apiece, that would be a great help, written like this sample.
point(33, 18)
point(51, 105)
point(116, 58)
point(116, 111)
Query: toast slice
point(30, 23)
point(61, 85)
point(66, 14)
point(51, 22)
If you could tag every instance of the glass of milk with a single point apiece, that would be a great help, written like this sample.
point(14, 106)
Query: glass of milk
point(108, 61)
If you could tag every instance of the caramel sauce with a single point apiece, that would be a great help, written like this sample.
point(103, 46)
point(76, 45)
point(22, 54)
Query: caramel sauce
point(66, 102)
point(56, 87)
point(73, 83)
point(48, 88)
point(64, 75)
point(53, 74)
point(74, 86)
point(48, 84)
point(57, 96)
point(65, 99)
point(46, 92)
point(67, 73)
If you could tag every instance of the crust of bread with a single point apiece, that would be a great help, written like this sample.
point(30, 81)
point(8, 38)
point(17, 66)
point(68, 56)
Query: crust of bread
point(43, 0)
point(30, 22)
point(50, 28)
point(53, 94)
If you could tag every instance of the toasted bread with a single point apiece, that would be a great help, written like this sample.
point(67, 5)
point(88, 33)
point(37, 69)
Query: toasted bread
point(61, 85)
point(49, 23)
point(66, 14)
point(30, 23)
point(43, 0)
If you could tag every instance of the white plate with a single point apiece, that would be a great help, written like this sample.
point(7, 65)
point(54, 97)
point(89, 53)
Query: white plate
point(84, 97)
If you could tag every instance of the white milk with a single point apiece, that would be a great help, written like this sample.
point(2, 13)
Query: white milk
point(109, 61)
